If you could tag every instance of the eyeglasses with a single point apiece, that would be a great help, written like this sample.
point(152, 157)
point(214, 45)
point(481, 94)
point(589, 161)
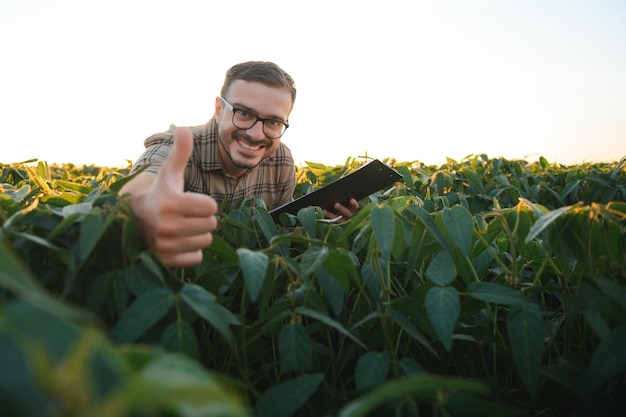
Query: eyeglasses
point(243, 119)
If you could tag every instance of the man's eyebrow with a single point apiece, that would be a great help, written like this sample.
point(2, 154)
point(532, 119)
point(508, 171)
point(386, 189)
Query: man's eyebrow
point(256, 113)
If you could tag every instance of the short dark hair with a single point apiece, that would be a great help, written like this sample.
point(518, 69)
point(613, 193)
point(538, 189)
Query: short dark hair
point(264, 72)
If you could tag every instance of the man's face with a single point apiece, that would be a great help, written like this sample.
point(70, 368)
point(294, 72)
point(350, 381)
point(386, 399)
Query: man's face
point(242, 149)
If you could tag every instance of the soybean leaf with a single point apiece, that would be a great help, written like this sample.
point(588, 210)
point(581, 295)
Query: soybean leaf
point(148, 260)
point(63, 226)
point(308, 219)
point(544, 221)
point(38, 241)
point(596, 321)
point(143, 313)
point(284, 399)
point(382, 223)
point(459, 224)
point(138, 278)
point(339, 264)
point(407, 176)
point(441, 269)
point(526, 334)
point(223, 250)
point(176, 382)
point(430, 224)
point(180, 337)
point(332, 290)
point(371, 369)
point(411, 367)
point(80, 208)
point(254, 266)
point(18, 279)
point(412, 331)
point(443, 308)
point(422, 386)
point(203, 302)
point(494, 293)
point(462, 404)
point(305, 311)
point(312, 260)
point(92, 229)
point(266, 223)
point(295, 349)
point(19, 194)
point(372, 280)
point(568, 372)
point(609, 359)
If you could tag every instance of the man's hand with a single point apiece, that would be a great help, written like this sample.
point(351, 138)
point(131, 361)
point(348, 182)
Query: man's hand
point(342, 213)
point(177, 225)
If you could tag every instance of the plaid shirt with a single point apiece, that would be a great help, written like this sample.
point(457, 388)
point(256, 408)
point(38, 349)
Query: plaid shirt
point(274, 179)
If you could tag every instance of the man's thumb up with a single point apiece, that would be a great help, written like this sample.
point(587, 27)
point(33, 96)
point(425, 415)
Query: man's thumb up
point(172, 172)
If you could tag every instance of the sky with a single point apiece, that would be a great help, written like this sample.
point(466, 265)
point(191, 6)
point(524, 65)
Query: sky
point(87, 81)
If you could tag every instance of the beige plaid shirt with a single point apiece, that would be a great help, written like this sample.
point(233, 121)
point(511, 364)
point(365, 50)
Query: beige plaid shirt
point(273, 180)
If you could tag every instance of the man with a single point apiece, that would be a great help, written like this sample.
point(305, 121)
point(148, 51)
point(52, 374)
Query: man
point(238, 154)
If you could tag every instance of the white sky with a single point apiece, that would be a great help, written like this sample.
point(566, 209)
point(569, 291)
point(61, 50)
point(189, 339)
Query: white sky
point(87, 81)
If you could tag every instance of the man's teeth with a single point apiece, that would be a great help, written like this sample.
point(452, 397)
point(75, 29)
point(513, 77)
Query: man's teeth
point(248, 146)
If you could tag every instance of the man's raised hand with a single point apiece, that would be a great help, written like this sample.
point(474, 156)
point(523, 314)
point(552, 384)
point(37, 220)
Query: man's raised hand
point(176, 224)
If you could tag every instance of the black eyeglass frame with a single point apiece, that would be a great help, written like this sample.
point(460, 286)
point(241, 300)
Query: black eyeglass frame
point(234, 110)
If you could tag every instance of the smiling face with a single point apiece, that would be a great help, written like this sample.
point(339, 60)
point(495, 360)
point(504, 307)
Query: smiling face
point(241, 149)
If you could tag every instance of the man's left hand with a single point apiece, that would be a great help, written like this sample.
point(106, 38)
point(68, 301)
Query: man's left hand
point(342, 213)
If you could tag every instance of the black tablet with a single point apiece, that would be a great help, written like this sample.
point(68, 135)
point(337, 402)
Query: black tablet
point(364, 181)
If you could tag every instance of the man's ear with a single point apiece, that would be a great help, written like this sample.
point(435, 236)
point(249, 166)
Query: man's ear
point(219, 106)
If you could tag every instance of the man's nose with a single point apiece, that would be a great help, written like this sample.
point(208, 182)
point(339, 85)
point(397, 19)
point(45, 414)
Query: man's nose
point(256, 131)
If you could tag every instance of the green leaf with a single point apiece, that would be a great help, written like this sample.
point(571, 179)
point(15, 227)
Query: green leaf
point(22, 322)
point(340, 266)
point(459, 224)
point(596, 322)
point(308, 219)
point(426, 219)
point(331, 290)
point(224, 250)
point(203, 303)
point(284, 399)
point(411, 330)
point(544, 221)
point(63, 226)
point(494, 293)
point(17, 278)
point(38, 240)
point(443, 308)
point(143, 313)
point(266, 223)
point(411, 367)
point(254, 266)
point(372, 369)
point(92, 229)
point(461, 404)
point(139, 279)
point(183, 387)
point(305, 311)
point(421, 386)
point(609, 359)
point(80, 208)
point(526, 334)
point(372, 280)
point(295, 349)
point(180, 337)
point(19, 194)
point(382, 223)
point(312, 260)
point(441, 269)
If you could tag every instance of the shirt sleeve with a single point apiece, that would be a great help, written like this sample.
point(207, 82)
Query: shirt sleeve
point(158, 147)
point(287, 180)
